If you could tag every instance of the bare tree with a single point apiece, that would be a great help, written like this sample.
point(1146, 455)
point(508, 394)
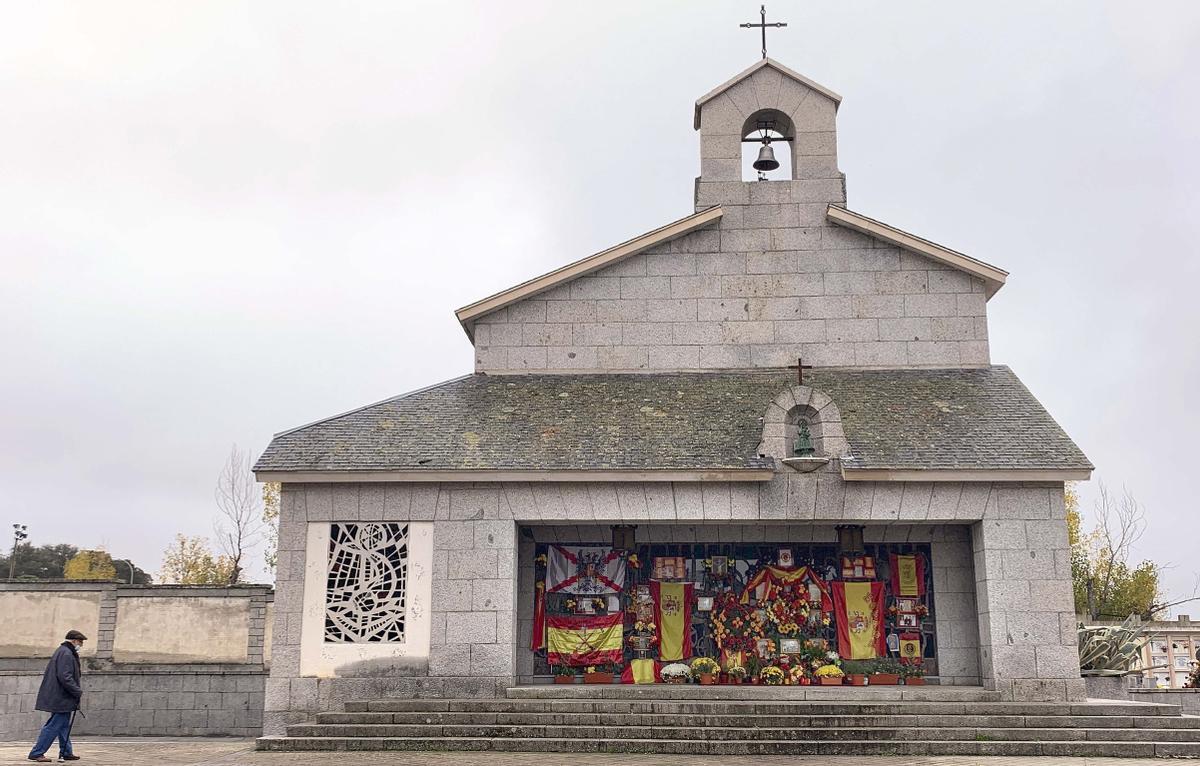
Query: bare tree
point(1111, 582)
point(239, 527)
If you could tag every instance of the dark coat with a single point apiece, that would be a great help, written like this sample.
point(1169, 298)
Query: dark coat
point(61, 690)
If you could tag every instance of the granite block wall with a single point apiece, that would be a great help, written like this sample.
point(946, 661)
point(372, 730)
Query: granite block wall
point(476, 613)
point(161, 703)
point(771, 281)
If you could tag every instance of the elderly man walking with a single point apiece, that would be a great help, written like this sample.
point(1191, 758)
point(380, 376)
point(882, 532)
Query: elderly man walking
point(59, 696)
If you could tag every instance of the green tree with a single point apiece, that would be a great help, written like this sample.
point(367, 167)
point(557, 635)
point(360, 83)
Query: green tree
point(1106, 584)
point(270, 516)
point(189, 561)
point(90, 565)
point(42, 562)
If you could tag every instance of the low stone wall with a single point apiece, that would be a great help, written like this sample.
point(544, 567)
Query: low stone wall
point(1119, 689)
point(160, 660)
point(167, 703)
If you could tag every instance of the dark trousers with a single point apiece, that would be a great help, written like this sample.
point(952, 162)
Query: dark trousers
point(57, 727)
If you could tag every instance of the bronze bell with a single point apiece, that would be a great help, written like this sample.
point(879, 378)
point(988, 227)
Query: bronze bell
point(766, 159)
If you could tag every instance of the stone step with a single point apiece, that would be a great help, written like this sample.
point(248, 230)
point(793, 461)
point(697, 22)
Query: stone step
point(757, 746)
point(752, 693)
point(686, 732)
point(761, 721)
point(715, 707)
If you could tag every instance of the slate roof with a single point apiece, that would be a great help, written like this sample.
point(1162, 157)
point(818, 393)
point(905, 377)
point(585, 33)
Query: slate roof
point(973, 419)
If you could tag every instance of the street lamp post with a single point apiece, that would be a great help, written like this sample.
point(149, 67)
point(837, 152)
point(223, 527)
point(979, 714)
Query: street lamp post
point(19, 534)
point(129, 564)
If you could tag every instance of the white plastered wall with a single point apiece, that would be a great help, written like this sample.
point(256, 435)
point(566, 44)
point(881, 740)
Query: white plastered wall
point(321, 659)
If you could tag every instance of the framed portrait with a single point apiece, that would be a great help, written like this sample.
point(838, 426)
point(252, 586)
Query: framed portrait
point(906, 604)
point(585, 606)
point(906, 620)
point(720, 566)
point(704, 604)
point(645, 612)
point(893, 643)
point(762, 648)
point(786, 559)
point(789, 646)
point(641, 595)
point(614, 604)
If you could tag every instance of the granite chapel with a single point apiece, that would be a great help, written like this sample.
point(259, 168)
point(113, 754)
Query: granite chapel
point(769, 433)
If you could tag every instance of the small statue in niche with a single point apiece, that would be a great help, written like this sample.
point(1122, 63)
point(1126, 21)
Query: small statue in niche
point(804, 445)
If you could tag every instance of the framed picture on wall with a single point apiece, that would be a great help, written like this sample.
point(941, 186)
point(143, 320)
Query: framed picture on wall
point(704, 604)
point(906, 605)
point(785, 558)
point(669, 568)
point(720, 566)
point(907, 620)
point(789, 646)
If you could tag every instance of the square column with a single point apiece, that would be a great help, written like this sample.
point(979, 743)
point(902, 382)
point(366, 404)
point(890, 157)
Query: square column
point(1027, 642)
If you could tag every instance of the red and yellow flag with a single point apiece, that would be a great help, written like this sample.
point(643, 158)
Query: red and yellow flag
point(580, 640)
point(673, 602)
point(908, 575)
point(858, 610)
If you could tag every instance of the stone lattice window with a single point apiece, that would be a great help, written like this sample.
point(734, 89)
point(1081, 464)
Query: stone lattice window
point(368, 571)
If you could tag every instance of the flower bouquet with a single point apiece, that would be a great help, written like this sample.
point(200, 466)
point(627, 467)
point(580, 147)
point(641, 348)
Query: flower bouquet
point(771, 676)
point(676, 673)
point(829, 675)
point(705, 670)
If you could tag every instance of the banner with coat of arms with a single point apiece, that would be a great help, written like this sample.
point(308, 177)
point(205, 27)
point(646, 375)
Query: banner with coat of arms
point(859, 610)
point(584, 570)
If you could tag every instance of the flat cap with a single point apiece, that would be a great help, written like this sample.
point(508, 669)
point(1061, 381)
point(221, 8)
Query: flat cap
point(74, 635)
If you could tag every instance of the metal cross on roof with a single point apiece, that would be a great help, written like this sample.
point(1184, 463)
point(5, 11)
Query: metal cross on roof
point(762, 11)
point(800, 367)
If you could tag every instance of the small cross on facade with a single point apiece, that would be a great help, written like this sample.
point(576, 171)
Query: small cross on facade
point(800, 367)
point(762, 12)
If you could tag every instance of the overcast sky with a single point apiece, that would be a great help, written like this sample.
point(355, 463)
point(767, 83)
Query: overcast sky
point(222, 220)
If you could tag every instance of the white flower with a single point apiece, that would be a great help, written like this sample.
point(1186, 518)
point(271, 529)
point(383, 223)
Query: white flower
point(676, 669)
point(832, 656)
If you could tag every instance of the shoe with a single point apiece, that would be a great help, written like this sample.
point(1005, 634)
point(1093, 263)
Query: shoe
point(65, 758)
point(40, 759)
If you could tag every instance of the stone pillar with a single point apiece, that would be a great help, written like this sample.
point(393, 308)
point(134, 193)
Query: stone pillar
point(475, 600)
point(1027, 642)
point(256, 637)
point(106, 635)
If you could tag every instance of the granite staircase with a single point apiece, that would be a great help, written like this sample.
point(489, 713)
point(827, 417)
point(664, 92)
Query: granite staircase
point(695, 720)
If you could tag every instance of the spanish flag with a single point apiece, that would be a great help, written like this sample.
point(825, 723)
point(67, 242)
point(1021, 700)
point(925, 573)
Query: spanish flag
point(673, 602)
point(582, 640)
point(858, 607)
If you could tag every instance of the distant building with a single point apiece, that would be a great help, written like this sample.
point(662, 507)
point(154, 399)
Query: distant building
point(1170, 655)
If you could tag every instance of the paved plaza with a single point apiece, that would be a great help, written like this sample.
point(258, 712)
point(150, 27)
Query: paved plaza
point(240, 752)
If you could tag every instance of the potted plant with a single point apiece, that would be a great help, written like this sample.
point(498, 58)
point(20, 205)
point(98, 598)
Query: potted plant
point(598, 674)
point(914, 672)
point(771, 675)
point(705, 670)
point(735, 674)
point(885, 672)
point(752, 669)
point(829, 675)
point(857, 671)
point(563, 674)
point(676, 673)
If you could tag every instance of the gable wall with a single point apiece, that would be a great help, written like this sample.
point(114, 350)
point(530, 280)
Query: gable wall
point(770, 282)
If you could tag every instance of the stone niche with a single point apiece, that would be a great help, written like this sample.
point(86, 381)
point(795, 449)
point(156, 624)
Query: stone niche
point(802, 404)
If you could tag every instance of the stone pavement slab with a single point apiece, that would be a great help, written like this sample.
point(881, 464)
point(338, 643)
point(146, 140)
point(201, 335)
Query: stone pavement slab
point(194, 751)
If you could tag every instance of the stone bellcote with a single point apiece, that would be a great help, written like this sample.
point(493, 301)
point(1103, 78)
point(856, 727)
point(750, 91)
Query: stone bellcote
point(800, 109)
